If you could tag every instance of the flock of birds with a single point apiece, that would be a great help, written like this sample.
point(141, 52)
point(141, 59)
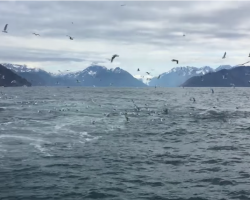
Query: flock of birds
point(115, 55)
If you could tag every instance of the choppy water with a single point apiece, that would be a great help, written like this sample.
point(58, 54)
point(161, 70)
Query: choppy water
point(50, 148)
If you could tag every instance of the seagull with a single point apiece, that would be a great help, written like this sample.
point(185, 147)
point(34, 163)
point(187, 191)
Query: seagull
point(159, 77)
point(224, 55)
point(243, 63)
point(148, 73)
point(174, 60)
point(36, 34)
point(5, 28)
point(71, 38)
point(138, 69)
point(113, 57)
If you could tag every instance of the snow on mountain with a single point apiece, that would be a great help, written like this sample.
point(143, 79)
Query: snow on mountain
point(223, 67)
point(92, 75)
point(178, 75)
point(20, 68)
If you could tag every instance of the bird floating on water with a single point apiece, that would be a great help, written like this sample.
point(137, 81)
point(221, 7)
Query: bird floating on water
point(113, 57)
point(5, 28)
point(174, 60)
point(224, 56)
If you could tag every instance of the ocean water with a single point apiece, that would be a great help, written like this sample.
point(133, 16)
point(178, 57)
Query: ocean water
point(75, 143)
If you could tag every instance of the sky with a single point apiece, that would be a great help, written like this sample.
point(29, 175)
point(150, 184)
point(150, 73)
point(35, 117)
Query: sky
point(145, 34)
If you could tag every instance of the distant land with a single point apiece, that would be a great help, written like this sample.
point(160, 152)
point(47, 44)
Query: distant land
point(97, 76)
point(236, 76)
point(178, 75)
point(10, 79)
point(100, 76)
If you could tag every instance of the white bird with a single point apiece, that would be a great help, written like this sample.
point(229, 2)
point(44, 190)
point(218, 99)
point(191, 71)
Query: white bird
point(5, 28)
point(224, 55)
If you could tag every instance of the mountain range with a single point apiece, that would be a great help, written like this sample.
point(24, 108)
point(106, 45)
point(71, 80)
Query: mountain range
point(236, 76)
point(100, 76)
point(94, 75)
point(178, 75)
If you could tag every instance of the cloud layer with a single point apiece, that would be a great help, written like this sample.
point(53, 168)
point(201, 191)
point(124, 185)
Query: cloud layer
point(146, 35)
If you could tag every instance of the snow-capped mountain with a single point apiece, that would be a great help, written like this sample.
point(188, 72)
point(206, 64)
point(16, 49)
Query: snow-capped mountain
point(19, 68)
point(10, 79)
point(234, 76)
point(104, 77)
point(91, 76)
point(223, 67)
point(178, 75)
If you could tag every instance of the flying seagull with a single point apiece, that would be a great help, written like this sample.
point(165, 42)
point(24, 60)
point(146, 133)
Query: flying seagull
point(174, 60)
point(148, 73)
point(243, 63)
point(113, 57)
point(138, 69)
point(159, 77)
point(5, 28)
point(224, 55)
point(36, 34)
point(71, 38)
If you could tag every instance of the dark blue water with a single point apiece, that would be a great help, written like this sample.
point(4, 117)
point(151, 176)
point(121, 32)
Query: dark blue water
point(75, 143)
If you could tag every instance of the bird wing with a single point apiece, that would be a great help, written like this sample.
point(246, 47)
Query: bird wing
point(5, 28)
point(224, 54)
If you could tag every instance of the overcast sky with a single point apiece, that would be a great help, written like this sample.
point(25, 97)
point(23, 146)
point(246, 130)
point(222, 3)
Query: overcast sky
point(146, 35)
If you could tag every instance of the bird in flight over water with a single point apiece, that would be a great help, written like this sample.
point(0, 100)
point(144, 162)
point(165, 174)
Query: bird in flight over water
point(174, 60)
point(113, 57)
point(5, 28)
point(148, 73)
point(36, 34)
point(159, 77)
point(71, 38)
point(224, 55)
